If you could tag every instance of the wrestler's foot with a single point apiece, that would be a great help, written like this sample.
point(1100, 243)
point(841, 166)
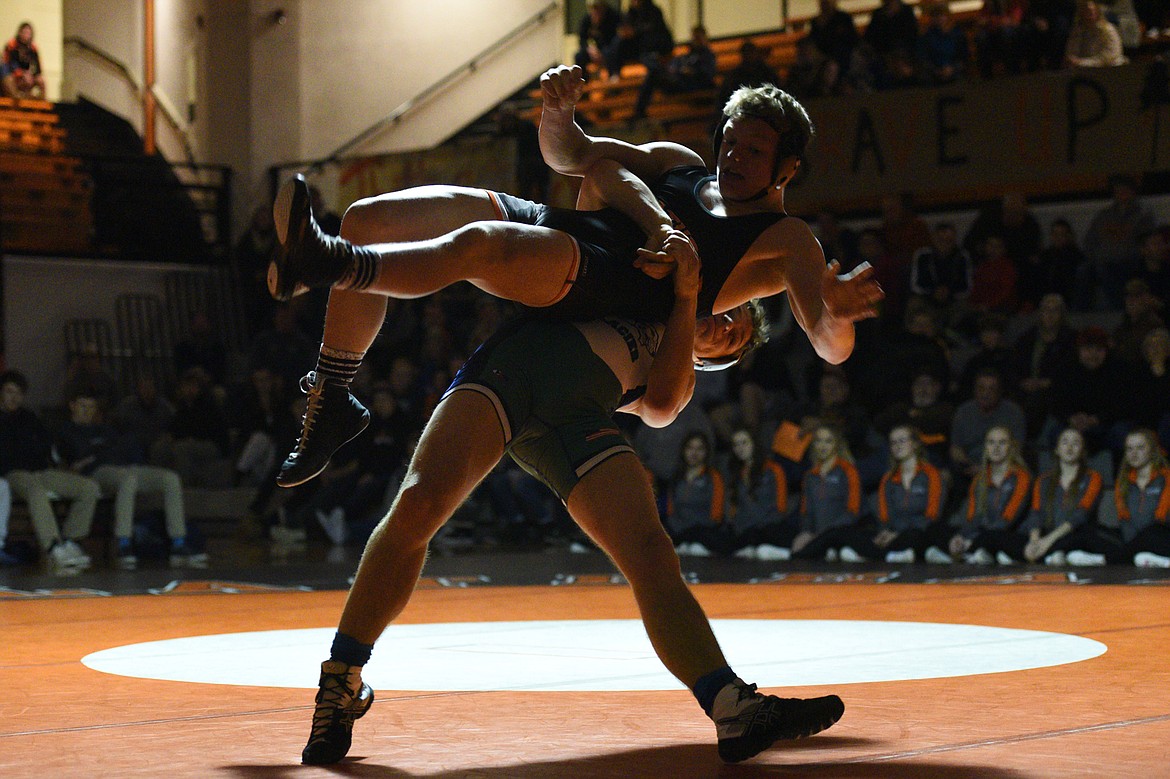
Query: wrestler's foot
point(342, 697)
point(332, 417)
point(748, 722)
point(307, 257)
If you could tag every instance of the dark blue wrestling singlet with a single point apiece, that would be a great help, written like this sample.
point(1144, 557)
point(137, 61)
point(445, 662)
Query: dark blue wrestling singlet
point(607, 283)
point(722, 241)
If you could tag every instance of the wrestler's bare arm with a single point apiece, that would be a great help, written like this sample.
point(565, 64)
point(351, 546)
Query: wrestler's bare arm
point(789, 257)
point(568, 150)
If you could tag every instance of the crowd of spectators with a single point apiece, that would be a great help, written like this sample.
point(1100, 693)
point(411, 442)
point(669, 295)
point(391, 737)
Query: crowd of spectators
point(901, 45)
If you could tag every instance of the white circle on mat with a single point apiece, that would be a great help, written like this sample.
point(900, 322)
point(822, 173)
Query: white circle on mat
point(599, 655)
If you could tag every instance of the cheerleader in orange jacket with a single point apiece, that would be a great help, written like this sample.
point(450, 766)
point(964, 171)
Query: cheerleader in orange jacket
point(996, 501)
point(830, 498)
point(696, 502)
point(1064, 506)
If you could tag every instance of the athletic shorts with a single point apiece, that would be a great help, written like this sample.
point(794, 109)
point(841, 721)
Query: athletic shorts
point(553, 396)
point(606, 282)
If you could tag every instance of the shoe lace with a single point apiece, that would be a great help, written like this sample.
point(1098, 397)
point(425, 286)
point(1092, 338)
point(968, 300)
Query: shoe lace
point(314, 389)
point(333, 696)
point(747, 691)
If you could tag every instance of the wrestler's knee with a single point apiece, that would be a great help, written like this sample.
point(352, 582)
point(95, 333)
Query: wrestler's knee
point(651, 557)
point(418, 512)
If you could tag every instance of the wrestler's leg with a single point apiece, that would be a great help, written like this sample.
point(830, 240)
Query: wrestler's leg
point(460, 445)
point(614, 504)
point(520, 262)
point(353, 318)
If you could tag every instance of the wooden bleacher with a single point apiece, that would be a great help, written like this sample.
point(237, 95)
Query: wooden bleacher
point(44, 192)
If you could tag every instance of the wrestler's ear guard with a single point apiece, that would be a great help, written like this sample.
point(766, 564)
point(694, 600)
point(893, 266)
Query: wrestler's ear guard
point(716, 363)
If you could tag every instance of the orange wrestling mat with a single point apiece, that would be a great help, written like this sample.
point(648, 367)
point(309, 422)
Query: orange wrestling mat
point(939, 680)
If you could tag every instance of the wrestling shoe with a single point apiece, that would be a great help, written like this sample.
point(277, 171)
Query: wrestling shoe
point(307, 257)
point(342, 697)
point(332, 418)
point(749, 722)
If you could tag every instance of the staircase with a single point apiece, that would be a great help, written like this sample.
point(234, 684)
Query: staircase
point(44, 190)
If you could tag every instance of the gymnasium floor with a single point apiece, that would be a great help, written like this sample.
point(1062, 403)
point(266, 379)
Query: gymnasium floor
point(533, 665)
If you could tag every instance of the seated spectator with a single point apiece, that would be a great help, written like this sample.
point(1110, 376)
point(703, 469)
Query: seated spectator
point(20, 73)
point(1139, 317)
point(910, 499)
point(91, 448)
point(595, 31)
point(1064, 507)
point(1154, 266)
point(1093, 41)
point(941, 272)
point(1086, 397)
point(1013, 221)
point(261, 425)
point(284, 348)
point(1057, 266)
point(691, 71)
point(830, 499)
point(696, 502)
point(354, 489)
point(903, 233)
point(86, 372)
point(753, 70)
point(992, 354)
point(1050, 22)
point(893, 33)
point(994, 281)
point(757, 502)
point(658, 447)
point(198, 439)
point(251, 256)
point(1041, 357)
point(1148, 403)
point(643, 36)
point(26, 462)
point(202, 348)
point(811, 73)
point(836, 408)
point(834, 33)
point(927, 412)
point(1111, 242)
point(996, 500)
point(1142, 497)
point(145, 415)
point(942, 47)
point(999, 37)
point(988, 409)
point(919, 347)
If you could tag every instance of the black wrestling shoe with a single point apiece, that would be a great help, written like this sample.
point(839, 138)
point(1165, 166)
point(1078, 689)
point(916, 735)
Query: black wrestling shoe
point(307, 258)
point(749, 722)
point(332, 418)
point(342, 697)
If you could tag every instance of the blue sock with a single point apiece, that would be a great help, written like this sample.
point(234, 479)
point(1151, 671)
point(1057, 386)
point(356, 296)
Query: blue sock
point(709, 685)
point(348, 650)
point(124, 546)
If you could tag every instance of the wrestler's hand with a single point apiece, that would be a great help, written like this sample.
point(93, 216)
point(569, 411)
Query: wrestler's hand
point(661, 263)
point(687, 267)
point(561, 87)
point(853, 296)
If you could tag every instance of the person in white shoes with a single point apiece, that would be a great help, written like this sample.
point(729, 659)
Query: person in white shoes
point(26, 461)
point(910, 498)
point(1142, 496)
point(757, 501)
point(1064, 506)
point(830, 499)
point(996, 500)
point(545, 392)
point(696, 502)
